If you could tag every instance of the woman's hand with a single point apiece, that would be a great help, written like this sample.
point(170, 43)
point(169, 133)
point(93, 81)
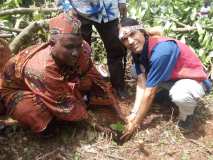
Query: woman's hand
point(131, 117)
point(130, 128)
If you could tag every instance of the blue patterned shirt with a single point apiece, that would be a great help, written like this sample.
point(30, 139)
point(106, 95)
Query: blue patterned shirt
point(95, 10)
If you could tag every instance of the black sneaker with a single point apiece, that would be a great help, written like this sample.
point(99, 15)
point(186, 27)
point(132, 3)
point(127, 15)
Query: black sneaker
point(187, 124)
point(122, 93)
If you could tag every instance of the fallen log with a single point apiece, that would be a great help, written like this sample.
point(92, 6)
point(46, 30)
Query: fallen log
point(6, 35)
point(10, 29)
point(26, 34)
point(26, 11)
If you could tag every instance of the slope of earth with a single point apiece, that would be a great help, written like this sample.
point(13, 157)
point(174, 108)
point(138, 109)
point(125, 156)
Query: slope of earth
point(159, 138)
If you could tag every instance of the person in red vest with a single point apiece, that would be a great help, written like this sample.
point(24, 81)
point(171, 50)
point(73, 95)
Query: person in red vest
point(162, 63)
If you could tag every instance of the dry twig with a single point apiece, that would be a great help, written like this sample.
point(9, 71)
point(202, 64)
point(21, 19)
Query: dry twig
point(48, 154)
point(209, 151)
point(108, 155)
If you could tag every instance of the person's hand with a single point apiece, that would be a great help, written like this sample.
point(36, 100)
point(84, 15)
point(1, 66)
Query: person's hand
point(131, 117)
point(123, 9)
point(130, 128)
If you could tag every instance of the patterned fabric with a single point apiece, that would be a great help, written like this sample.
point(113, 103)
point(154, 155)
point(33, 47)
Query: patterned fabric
point(95, 10)
point(127, 30)
point(35, 89)
point(64, 24)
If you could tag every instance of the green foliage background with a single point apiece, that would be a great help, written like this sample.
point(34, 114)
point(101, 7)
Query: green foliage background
point(170, 14)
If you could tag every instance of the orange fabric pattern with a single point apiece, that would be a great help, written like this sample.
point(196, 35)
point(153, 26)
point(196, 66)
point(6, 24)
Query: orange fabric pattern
point(35, 89)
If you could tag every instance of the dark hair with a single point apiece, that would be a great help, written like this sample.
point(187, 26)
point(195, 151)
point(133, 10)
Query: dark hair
point(128, 22)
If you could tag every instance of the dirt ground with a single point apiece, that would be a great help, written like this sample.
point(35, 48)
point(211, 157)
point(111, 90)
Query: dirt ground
point(159, 138)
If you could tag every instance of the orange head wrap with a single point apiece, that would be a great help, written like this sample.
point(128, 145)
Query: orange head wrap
point(64, 24)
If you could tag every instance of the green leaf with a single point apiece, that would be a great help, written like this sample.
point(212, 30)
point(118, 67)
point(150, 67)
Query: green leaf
point(199, 28)
point(119, 127)
point(205, 39)
point(201, 37)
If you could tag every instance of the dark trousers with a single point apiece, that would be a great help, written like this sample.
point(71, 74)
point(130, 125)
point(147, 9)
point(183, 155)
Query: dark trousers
point(115, 50)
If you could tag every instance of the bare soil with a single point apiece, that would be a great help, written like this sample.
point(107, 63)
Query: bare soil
point(159, 138)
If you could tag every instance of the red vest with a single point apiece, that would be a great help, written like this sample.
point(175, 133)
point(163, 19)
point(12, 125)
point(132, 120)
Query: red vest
point(188, 64)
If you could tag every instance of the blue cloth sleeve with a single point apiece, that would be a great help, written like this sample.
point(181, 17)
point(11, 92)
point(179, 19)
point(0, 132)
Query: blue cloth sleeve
point(162, 63)
point(64, 5)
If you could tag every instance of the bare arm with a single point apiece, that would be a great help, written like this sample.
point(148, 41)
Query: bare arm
point(138, 97)
point(149, 94)
point(144, 105)
point(139, 92)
